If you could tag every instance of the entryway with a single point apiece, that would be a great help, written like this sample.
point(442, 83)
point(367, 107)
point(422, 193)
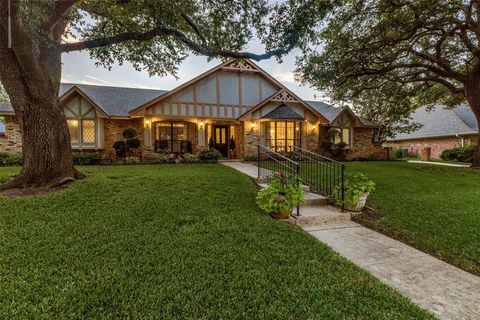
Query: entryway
point(220, 138)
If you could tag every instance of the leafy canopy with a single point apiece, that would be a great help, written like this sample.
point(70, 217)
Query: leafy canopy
point(407, 52)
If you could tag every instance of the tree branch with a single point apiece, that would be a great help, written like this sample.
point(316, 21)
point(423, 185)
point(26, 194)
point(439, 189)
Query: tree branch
point(174, 33)
point(60, 8)
point(194, 26)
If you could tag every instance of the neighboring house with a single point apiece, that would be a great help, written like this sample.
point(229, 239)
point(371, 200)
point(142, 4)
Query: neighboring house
point(441, 129)
point(234, 100)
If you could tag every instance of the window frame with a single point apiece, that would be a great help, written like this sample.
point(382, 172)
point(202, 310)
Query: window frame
point(171, 139)
point(340, 135)
point(80, 131)
point(297, 134)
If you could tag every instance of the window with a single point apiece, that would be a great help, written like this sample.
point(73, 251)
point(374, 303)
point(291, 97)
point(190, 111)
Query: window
point(282, 135)
point(82, 131)
point(172, 137)
point(343, 135)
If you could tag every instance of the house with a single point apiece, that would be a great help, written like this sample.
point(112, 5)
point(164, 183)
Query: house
point(235, 101)
point(441, 129)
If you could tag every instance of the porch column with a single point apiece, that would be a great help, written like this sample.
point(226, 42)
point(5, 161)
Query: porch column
point(201, 134)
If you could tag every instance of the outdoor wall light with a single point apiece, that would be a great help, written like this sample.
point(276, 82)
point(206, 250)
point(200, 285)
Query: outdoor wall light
point(147, 123)
point(201, 124)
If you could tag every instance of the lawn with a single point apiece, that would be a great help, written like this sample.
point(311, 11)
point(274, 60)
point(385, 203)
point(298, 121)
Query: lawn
point(173, 241)
point(434, 208)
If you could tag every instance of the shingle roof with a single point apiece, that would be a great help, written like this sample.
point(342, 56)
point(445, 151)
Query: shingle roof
point(441, 122)
point(114, 101)
point(282, 112)
point(328, 111)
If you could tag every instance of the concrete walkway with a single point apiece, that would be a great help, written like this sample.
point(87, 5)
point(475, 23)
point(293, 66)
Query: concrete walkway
point(446, 291)
point(440, 163)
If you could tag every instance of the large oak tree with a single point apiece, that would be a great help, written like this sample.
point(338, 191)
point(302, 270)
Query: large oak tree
point(427, 51)
point(155, 35)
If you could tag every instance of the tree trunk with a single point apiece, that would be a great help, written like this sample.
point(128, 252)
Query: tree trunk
point(33, 91)
point(472, 93)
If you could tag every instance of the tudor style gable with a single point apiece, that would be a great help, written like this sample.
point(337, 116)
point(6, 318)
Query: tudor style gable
point(224, 92)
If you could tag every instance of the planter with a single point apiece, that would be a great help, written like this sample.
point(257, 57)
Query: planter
point(359, 205)
point(280, 215)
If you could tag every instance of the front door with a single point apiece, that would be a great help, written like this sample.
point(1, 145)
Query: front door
point(220, 137)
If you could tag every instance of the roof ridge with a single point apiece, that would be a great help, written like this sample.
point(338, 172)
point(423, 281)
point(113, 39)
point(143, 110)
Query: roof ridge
point(110, 86)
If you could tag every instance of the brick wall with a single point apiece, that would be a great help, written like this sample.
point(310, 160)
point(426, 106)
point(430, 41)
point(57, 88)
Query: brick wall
point(436, 145)
point(11, 141)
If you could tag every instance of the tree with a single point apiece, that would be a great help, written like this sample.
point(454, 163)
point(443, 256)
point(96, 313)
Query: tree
point(3, 95)
point(430, 49)
point(152, 35)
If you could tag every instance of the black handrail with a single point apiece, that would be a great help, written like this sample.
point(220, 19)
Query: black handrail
point(322, 174)
point(270, 163)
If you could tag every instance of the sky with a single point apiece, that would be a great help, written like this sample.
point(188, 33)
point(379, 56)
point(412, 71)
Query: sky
point(79, 68)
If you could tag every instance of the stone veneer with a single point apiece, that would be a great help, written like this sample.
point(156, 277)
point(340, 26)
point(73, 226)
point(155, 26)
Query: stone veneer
point(113, 129)
point(436, 145)
point(11, 141)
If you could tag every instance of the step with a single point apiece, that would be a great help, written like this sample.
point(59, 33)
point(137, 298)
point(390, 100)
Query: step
point(311, 199)
point(316, 215)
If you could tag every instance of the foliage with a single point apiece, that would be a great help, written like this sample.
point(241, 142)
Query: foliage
point(210, 154)
point(132, 160)
point(129, 133)
point(335, 150)
point(11, 159)
point(86, 158)
point(190, 158)
point(355, 186)
point(281, 195)
point(132, 144)
point(3, 96)
point(250, 158)
point(120, 147)
point(135, 240)
point(126, 148)
point(387, 58)
point(431, 207)
point(462, 154)
point(232, 144)
point(397, 153)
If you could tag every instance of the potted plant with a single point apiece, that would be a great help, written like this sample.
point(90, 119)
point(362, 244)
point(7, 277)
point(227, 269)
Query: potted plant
point(281, 196)
point(356, 191)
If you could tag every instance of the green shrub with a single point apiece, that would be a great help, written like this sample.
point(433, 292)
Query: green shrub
point(129, 133)
point(132, 160)
point(355, 185)
point(210, 154)
point(282, 195)
point(162, 158)
point(338, 151)
point(87, 158)
point(11, 159)
point(119, 147)
point(133, 143)
point(397, 154)
point(462, 154)
point(250, 158)
point(190, 158)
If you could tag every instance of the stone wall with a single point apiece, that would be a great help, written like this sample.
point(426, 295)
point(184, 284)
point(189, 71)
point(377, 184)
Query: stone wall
point(430, 146)
point(11, 141)
point(252, 138)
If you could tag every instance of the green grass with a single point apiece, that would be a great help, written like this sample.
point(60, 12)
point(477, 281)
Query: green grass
point(173, 241)
point(434, 208)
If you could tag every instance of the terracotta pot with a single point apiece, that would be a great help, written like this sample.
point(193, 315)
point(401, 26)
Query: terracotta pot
point(360, 204)
point(280, 215)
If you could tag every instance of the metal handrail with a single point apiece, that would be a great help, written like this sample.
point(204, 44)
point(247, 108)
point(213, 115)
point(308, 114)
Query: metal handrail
point(322, 174)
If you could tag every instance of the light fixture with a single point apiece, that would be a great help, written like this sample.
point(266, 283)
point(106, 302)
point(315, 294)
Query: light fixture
point(147, 123)
point(201, 124)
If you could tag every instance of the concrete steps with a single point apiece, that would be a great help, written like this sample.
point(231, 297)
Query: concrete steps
point(320, 214)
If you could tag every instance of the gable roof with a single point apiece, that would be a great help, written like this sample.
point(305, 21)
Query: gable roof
point(282, 112)
point(332, 113)
point(113, 101)
point(440, 122)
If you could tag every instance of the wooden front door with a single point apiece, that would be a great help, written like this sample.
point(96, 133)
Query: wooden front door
point(220, 136)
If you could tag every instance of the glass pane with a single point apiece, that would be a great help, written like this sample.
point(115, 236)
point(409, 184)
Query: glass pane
point(88, 131)
point(73, 129)
point(298, 130)
point(346, 135)
point(337, 138)
point(179, 131)
point(224, 135)
point(217, 135)
point(163, 131)
point(290, 130)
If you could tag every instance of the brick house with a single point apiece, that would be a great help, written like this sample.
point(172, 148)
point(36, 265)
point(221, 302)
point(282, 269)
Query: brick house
point(441, 129)
point(235, 101)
